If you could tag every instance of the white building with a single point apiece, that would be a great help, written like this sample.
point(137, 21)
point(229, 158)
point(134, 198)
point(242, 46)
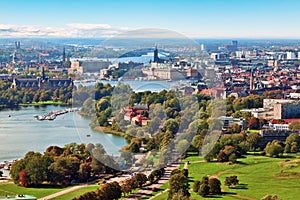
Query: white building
point(290, 55)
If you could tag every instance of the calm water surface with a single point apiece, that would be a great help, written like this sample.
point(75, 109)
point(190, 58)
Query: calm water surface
point(20, 132)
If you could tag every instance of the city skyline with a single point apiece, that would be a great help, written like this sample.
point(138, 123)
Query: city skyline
point(195, 19)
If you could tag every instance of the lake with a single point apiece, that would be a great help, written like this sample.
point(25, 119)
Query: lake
point(20, 132)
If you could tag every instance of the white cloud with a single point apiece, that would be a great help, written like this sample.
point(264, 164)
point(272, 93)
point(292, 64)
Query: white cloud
point(89, 26)
point(70, 30)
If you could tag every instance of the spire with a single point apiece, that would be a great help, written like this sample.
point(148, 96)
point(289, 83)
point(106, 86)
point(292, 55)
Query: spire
point(43, 73)
point(156, 59)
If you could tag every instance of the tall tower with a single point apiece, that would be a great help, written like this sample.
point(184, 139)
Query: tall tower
point(43, 73)
point(234, 45)
point(156, 59)
point(64, 56)
point(251, 80)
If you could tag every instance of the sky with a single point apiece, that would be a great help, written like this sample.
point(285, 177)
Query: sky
point(190, 18)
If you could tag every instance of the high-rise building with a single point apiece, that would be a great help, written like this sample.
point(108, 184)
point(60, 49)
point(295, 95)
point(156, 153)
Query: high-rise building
point(234, 45)
point(290, 55)
point(202, 47)
point(64, 56)
point(17, 45)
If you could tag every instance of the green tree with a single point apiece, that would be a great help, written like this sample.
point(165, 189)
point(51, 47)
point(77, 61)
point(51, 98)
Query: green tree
point(178, 182)
point(196, 185)
point(274, 148)
point(140, 179)
point(214, 186)
point(292, 143)
point(204, 189)
point(134, 148)
point(295, 126)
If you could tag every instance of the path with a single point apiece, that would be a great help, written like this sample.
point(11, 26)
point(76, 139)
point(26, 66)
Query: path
point(51, 196)
point(146, 191)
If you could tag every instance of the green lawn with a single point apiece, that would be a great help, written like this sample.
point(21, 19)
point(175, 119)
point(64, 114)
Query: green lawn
point(258, 177)
point(76, 193)
point(253, 131)
point(50, 102)
point(13, 189)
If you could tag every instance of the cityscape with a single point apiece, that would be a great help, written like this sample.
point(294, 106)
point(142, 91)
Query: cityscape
point(204, 104)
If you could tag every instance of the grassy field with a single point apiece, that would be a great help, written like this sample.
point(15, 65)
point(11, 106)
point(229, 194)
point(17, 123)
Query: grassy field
point(46, 103)
point(76, 193)
point(12, 189)
point(258, 177)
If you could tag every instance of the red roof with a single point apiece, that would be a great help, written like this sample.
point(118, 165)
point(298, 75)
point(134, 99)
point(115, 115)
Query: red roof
point(292, 120)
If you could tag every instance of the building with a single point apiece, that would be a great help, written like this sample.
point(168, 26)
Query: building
point(228, 121)
point(269, 135)
point(269, 103)
point(42, 82)
point(286, 110)
point(89, 66)
point(162, 72)
point(290, 55)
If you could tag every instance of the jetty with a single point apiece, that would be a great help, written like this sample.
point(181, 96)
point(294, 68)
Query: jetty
point(53, 114)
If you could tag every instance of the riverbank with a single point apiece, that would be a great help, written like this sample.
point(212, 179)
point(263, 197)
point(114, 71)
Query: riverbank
point(108, 130)
point(42, 103)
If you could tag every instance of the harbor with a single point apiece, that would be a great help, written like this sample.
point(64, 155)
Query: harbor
point(53, 114)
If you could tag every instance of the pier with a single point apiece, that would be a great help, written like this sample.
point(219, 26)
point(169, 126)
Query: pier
point(53, 114)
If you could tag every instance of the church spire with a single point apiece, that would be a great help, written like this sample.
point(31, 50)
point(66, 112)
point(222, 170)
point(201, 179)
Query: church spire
point(156, 59)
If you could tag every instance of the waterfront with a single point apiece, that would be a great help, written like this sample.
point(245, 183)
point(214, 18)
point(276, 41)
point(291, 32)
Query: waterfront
point(20, 132)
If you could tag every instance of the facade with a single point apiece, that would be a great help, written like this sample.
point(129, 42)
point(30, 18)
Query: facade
point(42, 82)
point(286, 110)
point(163, 72)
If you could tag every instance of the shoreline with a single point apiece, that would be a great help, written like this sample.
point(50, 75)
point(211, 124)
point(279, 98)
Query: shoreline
point(108, 130)
point(35, 104)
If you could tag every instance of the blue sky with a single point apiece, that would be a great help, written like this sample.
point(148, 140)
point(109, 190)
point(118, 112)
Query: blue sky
point(193, 18)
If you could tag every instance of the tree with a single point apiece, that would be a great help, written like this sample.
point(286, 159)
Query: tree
point(292, 143)
point(214, 185)
point(127, 156)
point(231, 180)
point(171, 125)
point(295, 126)
point(253, 140)
point(36, 169)
point(204, 189)
point(178, 182)
point(134, 147)
point(196, 185)
point(254, 123)
point(128, 185)
point(110, 191)
point(140, 179)
point(274, 148)
point(23, 178)
point(84, 171)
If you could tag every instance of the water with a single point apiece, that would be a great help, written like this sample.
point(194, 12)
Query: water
point(21, 133)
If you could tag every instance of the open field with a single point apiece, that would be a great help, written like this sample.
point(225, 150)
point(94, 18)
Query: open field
point(76, 193)
point(8, 188)
point(258, 177)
